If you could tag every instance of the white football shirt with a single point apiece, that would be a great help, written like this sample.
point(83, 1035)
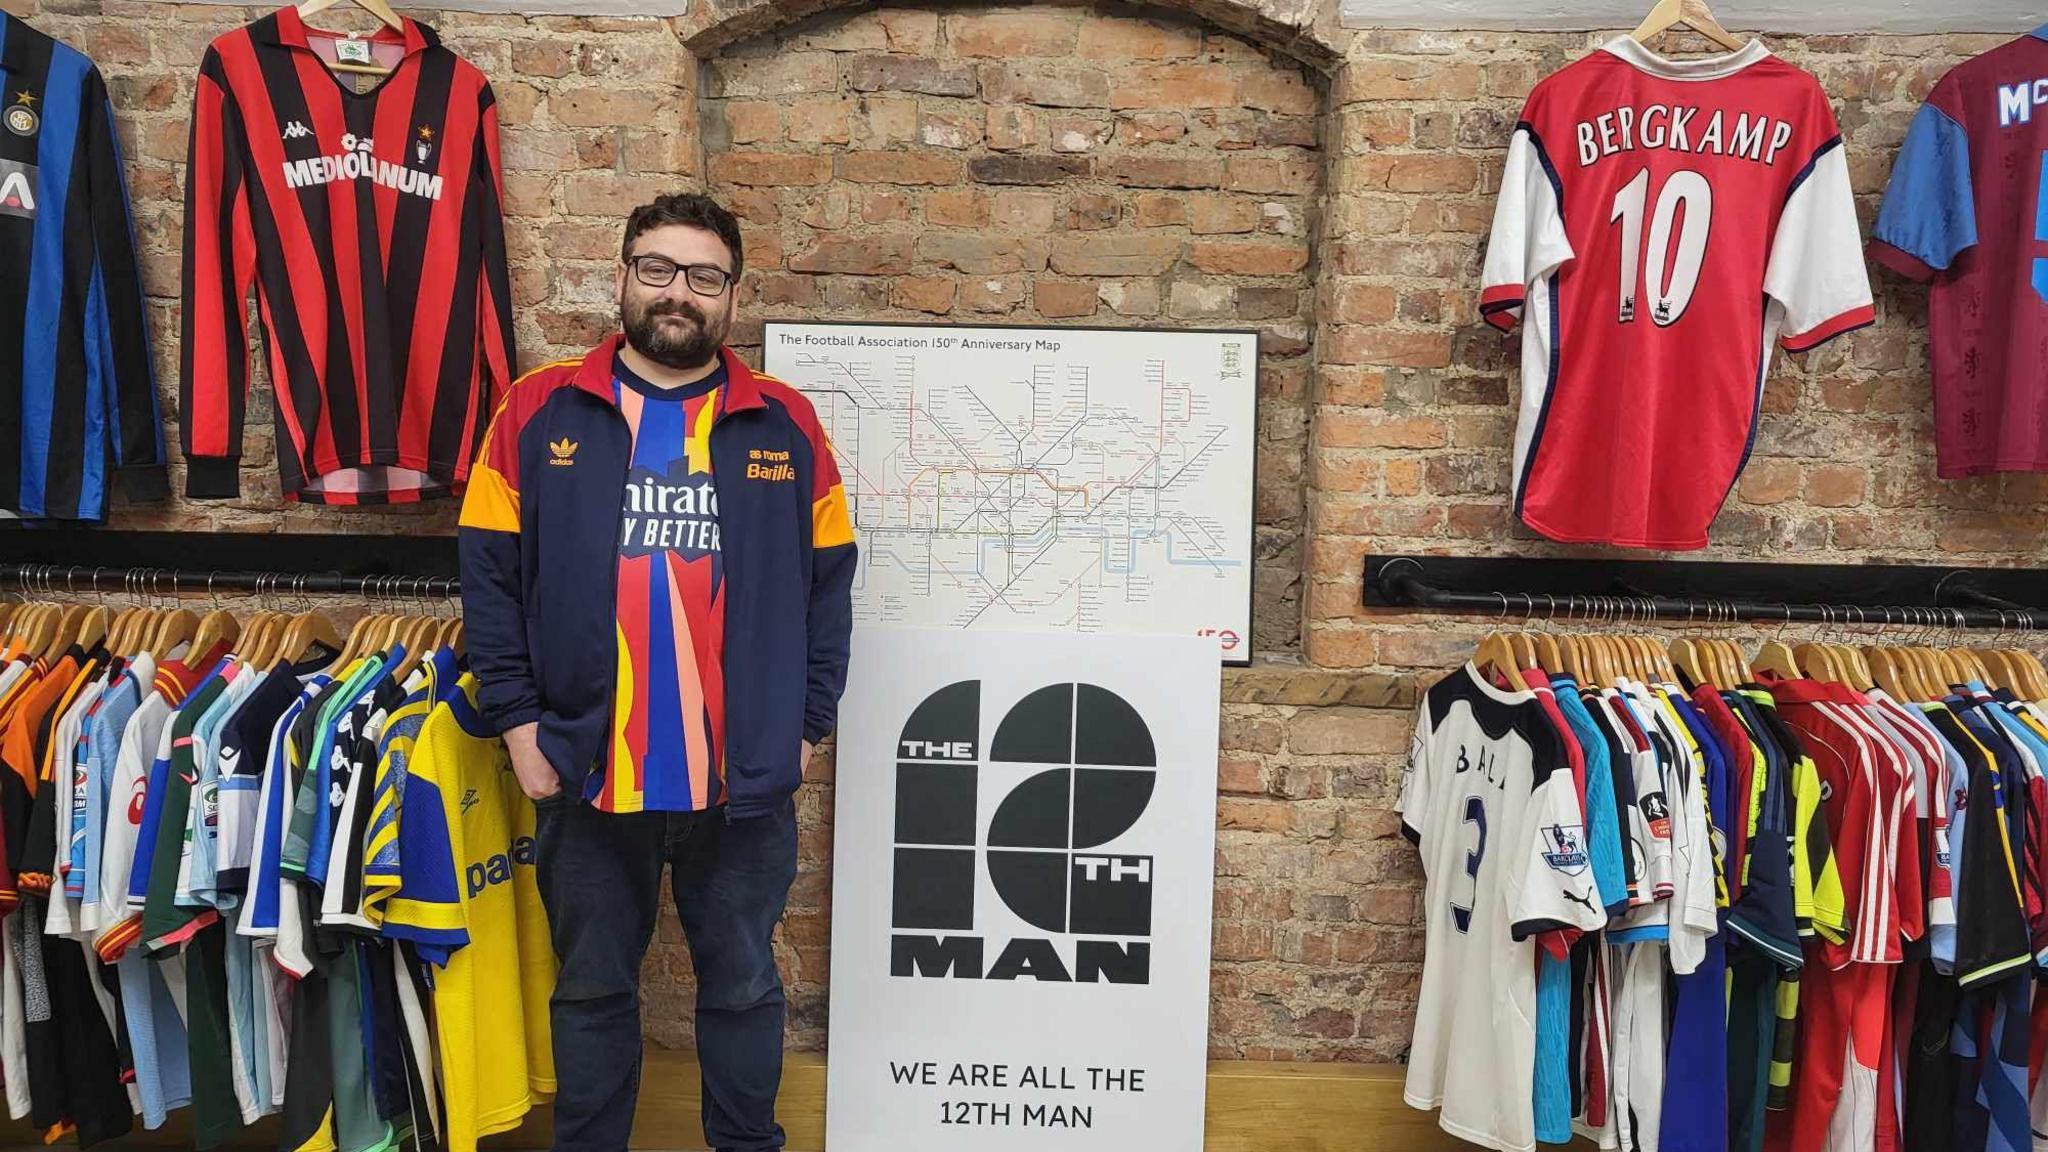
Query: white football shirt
point(1489, 800)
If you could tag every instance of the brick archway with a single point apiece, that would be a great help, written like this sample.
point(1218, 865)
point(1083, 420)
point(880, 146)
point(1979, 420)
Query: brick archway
point(1292, 27)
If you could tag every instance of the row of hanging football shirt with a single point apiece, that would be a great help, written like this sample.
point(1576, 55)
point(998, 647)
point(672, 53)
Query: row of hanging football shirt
point(266, 890)
point(1696, 919)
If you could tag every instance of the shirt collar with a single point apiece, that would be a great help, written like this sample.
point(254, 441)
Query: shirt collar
point(1633, 51)
point(741, 389)
point(287, 28)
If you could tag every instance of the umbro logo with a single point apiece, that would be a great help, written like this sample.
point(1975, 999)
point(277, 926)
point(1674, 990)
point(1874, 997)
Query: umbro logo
point(296, 130)
point(563, 451)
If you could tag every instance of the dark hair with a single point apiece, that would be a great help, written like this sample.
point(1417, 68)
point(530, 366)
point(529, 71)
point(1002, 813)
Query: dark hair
point(691, 209)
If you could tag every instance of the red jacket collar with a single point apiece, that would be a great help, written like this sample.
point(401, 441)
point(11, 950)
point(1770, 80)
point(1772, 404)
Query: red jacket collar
point(742, 389)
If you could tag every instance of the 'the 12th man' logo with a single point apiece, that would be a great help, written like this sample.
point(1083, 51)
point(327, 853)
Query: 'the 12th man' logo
point(1044, 838)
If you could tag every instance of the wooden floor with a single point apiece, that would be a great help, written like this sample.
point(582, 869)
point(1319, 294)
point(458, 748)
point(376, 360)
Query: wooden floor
point(1253, 1107)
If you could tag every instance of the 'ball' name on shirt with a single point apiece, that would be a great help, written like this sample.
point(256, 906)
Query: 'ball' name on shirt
point(1682, 129)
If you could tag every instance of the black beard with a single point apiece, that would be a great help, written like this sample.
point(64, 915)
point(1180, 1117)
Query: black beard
point(645, 332)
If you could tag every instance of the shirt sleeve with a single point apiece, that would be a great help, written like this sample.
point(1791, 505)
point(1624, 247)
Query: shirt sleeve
point(1929, 213)
point(220, 269)
point(1550, 876)
point(1415, 780)
point(428, 907)
point(834, 557)
point(1528, 240)
point(1816, 274)
point(494, 289)
point(120, 355)
point(493, 580)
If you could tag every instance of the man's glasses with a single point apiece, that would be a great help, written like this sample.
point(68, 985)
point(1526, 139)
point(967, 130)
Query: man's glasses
point(660, 272)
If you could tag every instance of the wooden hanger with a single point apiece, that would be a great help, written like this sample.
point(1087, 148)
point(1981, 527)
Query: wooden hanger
point(215, 628)
point(1855, 667)
point(1523, 648)
point(418, 636)
point(2031, 670)
point(381, 9)
point(1693, 14)
point(393, 631)
point(258, 635)
point(1688, 659)
point(93, 628)
point(1887, 674)
point(350, 650)
point(1777, 657)
point(41, 635)
point(1494, 650)
point(303, 632)
point(1818, 661)
point(178, 626)
point(1549, 658)
point(68, 619)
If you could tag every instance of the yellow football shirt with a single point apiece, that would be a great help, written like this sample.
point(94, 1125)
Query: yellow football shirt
point(469, 900)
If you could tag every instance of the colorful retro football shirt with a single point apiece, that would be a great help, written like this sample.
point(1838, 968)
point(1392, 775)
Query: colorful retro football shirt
point(667, 745)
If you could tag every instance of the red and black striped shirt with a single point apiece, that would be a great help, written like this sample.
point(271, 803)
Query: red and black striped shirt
point(367, 214)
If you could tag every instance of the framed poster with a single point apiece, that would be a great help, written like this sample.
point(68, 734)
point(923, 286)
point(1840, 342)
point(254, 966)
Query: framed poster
point(1023, 862)
point(1041, 479)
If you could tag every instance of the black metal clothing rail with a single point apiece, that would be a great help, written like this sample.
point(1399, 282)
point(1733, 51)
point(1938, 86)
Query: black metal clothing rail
point(73, 580)
point(1569, 591)
point(75, 561)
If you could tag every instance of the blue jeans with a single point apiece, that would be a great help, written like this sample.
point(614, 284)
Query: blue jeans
point(600, 877)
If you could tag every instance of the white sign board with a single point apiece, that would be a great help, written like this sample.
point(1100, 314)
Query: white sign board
point(1024, 845)
point(1041, 479)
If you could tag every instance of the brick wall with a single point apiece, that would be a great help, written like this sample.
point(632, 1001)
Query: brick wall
point(1048, 165)
point(1058, 164)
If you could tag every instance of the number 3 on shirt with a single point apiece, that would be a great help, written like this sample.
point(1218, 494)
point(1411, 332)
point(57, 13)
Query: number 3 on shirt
point(1461, 913)
point(1668, 297)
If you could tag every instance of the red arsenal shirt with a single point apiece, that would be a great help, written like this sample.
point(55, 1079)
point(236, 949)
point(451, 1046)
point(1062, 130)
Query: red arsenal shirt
point(365, 211)
point(1661, 225)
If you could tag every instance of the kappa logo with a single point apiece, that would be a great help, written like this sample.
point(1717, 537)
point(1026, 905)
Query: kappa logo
point(563, 451)
point(17, 189)
point(1044, 856)
point(296, 130)
point(1564, 849)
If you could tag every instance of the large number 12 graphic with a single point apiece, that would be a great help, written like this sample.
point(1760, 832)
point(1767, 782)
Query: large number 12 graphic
point(1461, 914)
point(1668, 278)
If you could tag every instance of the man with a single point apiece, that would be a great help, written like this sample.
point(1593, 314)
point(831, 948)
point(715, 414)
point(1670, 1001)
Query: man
point(656, 574)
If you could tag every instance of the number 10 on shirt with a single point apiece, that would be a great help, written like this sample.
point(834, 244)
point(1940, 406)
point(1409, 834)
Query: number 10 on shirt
point(1670, 275)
